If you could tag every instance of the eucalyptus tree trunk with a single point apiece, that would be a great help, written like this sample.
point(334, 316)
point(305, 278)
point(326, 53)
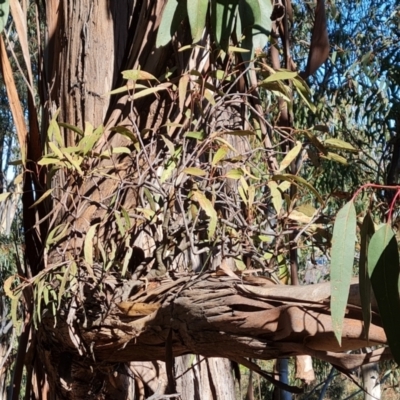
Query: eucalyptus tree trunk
point(120, 285)
point(88, 45)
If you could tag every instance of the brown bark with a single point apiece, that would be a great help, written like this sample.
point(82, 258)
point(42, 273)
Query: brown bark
point(210, 315)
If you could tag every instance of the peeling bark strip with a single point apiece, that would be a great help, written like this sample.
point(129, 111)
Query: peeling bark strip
point(217, 316)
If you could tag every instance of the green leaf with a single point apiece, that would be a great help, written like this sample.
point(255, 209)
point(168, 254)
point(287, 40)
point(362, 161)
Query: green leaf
point(68, 275)
point(174, 13)
point(334, 157)
point(223, 13)
point(127, 259)
point(194, 171)
point(298, 179)
point(4, 11)
point(56, 151)
point(383, 270)
point(234, 173)
point(57, 234)
point(276, 196)
point(195, 135)
point(121, 150)
point(49, 161)
point(71, 127)
point(197, 13)
point(255, 20)
point(53, 131)
point(304, 92)
point(316, 142)
point(219, 155)
point(208, 208)
point(340, 144)
point(182, 89)
point(88, 246)
point(137, 74)
point(343, 249)
point(367, 230)
point(46, 194)
point(280, 76)
point(290, 156)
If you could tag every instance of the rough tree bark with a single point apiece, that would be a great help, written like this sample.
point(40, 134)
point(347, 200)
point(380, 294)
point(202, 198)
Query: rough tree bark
point(106, 321)
point(209, 315)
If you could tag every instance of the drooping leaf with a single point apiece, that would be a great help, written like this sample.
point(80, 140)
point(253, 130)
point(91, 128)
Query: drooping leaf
point(197, 13)
point(280, 76)
point(174, 13)
point(319, 49)
point(334, 157)
point(343, 250)
point(255, 21)
point(340, 144)
point(219, 155)
point(88, 246)
point(290, 156)
point(276, 196)
point(182, 88)
point(298, 179)
point(384, 273)
point(304, 92)
point(46, 194)
point(223, 13)
point(367, 230)
point(208, 208)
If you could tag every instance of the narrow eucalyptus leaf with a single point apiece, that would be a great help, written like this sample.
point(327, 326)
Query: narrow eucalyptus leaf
point(343, 249)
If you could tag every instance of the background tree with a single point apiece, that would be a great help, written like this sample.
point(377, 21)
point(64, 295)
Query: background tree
point(124, 222)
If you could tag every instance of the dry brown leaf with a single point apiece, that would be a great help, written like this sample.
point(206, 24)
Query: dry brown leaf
point(133, 309)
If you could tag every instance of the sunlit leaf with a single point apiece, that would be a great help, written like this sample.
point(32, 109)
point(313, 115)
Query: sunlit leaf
point(234, 173)
point(219, 155)
point(194, 171)
point(88, 246)
point(280, 76)
point(195, 135)
point(299, 180)
point(46, 194)
point(182, 89)
point(343, 250)
point(276, 196)
point(334, 157)
point(121, 150)
point(173, 14)
point(208, 208)
point(304, 91)
point(197, 12)
point(4, 196)
point(137, 74)
point(340, 144)
point(290, 156)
